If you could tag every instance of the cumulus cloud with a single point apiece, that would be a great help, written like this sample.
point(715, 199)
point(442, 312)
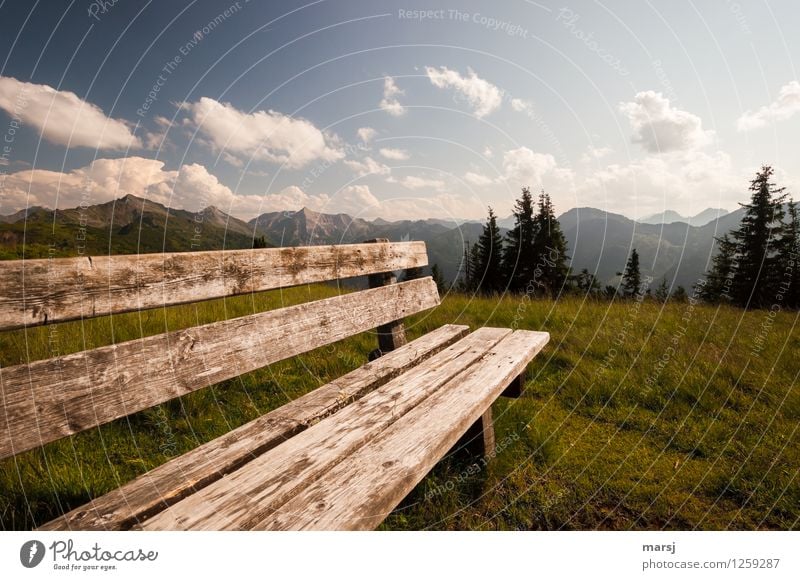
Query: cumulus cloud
point(525, 167)
point(268, 135)
point(481, 95)
point(353, 200)
point(658, 127)
point(685, 181)
point(389, 103)
point(477, 178)
point(594, 153)
point(366, 134)
point(368, 166)
point(394, 154)
point(521, 106)
point(63, 118)
point(414, 182)
point(191, 187)
point(784, 107)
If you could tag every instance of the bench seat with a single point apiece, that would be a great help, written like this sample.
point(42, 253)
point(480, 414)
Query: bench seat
point(257, 476)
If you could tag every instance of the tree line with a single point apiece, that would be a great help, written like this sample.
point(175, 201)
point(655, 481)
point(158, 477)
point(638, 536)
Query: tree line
point(755, 265)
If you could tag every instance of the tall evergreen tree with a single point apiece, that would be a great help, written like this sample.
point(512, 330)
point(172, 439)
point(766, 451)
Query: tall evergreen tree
point(549, 249)
point(632, 277)
point(586, 283)
point(518, 255)
point(662, 292)
point(789, 258)
point(717, 285)
point(412, 274)
point(441, 284)
point(488, 269)
point(755, 278)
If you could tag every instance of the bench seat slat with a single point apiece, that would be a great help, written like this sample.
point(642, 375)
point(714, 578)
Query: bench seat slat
point(45, 291)
point(359, 493)
point(250, 494)
point(170, 482)
point(47, 400)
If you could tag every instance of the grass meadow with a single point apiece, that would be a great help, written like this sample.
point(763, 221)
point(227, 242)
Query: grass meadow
point(637, 415)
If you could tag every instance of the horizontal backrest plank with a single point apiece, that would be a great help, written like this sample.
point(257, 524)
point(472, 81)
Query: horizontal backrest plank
point(50, 399)
point(43, 291)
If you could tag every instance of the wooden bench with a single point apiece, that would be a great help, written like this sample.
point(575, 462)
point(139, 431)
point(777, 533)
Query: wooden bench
point(341, 457)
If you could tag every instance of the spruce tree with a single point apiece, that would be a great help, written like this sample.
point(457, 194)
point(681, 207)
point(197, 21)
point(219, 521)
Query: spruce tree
point(717, 285)
point(441, 284)
point(757, 272)
point(632, 277)
point(518, 256)
point(586, 283)
point(549, 249)
point(662, 292)
point(789, 258)
point(488, 267)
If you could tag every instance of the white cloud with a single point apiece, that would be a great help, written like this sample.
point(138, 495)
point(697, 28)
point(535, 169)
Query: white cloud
point(191, 187)
point(482, 95)
point(784, 107)
point(64, 118)
point(488, 153)
point(268, 135)
point(368, 167)
point(389, 103)
point(660, 128)
point(366, 134)
point(353, 200)
point(524, 167)
point(414, 182)
point(477, 178)
point(687, 182)
point(394, 154)
point(594, 153)
point(521, 106)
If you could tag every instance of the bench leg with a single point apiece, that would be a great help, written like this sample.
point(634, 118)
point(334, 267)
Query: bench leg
point(479, 438)
point(516, 388)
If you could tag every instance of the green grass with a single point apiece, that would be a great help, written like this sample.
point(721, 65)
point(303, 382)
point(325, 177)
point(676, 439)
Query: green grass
point(635, 417)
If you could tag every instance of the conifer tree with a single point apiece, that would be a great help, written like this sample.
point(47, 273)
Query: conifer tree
point(550, 269)
point(632, 277)
point(518, 256)
point(757, 271)
point(488, 267)
point(662, 292)
point(789, 259)
point(717, 285)
point(437, 276)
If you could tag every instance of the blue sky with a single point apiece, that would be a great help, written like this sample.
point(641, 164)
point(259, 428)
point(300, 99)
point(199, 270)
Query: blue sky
point(397, 110)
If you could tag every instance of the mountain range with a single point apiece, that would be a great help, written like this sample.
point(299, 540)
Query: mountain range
point(669, 216)
point(597, 240)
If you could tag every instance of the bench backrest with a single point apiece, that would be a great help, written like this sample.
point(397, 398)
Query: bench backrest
point(49, 399)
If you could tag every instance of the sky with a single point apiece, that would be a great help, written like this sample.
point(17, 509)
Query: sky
point(395, 109)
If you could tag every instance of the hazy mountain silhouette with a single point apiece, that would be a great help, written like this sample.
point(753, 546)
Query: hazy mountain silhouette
point(597, 240)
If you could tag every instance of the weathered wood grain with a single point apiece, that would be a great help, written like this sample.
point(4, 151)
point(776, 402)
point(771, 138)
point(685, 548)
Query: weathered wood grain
point(251, 493)
point(360, 492)
point(54, 398)
point(163, 486)
point(43, 291)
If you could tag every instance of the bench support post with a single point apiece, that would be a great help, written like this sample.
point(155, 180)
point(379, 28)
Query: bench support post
point(515, 389)
point(392, 335)
point(479, 438)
